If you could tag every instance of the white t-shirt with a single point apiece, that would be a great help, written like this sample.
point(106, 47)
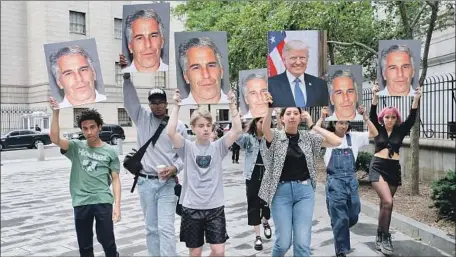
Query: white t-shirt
point(358, 140)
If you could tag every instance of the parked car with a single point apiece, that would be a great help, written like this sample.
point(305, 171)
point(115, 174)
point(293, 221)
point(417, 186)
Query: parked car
point(224, 125)
point(24, 138)
point(110, 133)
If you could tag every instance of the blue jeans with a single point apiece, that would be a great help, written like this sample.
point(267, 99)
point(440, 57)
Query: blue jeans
point(342, 201)
point(158, 203)
point(292, 211)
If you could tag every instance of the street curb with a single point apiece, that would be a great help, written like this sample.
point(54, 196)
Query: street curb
point(417, 230)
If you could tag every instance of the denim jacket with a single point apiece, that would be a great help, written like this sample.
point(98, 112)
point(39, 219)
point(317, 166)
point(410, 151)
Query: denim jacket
point(250, 144)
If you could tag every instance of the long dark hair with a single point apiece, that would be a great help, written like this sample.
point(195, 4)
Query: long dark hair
point(252, 127)
point(332, 126)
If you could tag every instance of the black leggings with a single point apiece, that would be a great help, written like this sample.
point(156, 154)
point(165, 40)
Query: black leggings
point(256, 208)
point(385, 176)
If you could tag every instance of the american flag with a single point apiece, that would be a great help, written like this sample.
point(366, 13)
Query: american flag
point(276, 41)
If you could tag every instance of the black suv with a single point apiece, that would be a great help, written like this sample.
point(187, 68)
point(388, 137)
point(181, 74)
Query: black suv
point(24, 138)
point(109, 133)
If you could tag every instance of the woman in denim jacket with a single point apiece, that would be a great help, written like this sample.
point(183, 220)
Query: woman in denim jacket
point(288, 185)
point(257, 209)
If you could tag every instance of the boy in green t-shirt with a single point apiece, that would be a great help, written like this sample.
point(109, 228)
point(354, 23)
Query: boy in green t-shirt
point(94, 166)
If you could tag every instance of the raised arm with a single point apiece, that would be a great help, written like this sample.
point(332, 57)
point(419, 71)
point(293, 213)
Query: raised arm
point(267, 131)
point(330, 139)
point(408, 123)
point(323, 115)
point(176, 138)
point(130, 96)
point(236, 129)
point(373, 132)
point(373, 110)
point(55, 127)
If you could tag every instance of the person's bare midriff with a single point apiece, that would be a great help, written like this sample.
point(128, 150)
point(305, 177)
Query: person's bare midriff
point(384, 155)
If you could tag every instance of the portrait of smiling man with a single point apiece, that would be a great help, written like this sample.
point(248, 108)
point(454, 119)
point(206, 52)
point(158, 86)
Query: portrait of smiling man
point(145, 36)
point(343, 93)
point(200, 61)
point(397, 69)
point(294, 87)
point(73, 71)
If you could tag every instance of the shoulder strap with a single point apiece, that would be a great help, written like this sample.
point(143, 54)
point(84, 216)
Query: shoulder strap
point(154, 138)
point(349, 140)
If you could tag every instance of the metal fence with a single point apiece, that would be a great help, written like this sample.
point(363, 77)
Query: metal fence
point(12, 117)
point(437, 107)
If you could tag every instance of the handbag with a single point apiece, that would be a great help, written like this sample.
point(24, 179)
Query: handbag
point(132, 161)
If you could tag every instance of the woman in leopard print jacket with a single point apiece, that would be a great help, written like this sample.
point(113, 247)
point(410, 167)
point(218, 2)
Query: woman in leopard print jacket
point(289, 181)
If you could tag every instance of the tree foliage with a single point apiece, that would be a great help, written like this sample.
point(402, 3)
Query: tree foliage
point(247, 24)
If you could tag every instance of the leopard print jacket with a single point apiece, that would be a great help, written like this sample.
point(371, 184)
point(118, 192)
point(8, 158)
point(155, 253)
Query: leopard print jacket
point(274, 158)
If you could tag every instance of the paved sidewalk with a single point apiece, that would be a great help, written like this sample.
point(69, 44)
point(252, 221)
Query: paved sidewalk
point(37, 218)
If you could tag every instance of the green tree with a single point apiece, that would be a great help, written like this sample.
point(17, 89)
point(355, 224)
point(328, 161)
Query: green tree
point(353, 31)
point(247, 24)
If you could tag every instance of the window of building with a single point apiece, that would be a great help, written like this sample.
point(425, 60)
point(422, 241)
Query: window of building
point(76, 113)
point(223, 115)
point(191, 112)
point(77, 23)
point(118, 74)
point(117, 28)
point(123, 118)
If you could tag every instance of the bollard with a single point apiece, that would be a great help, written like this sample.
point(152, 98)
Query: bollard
point(40, 152)
point(120, 146)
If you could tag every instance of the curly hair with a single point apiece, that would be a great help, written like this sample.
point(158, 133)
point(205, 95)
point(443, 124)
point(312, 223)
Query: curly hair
point(389, 110)
point(90, 114)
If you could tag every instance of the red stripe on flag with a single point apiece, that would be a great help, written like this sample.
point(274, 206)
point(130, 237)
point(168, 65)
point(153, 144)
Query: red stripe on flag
point(280, 47)
point(272, 71)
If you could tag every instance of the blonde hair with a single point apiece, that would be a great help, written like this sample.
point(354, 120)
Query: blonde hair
point(200, 113)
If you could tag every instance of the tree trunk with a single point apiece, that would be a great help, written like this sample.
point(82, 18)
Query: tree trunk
point(415, 133)
point(331, 54)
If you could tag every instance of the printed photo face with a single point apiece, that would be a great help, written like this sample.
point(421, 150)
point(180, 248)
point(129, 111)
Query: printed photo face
point(397, 67)
point(201, 67)
point(204, 73)
point(296, 64)
point(74, 72)
point(295, 61)
point(76, 77)
point(145, 43)
point(252, 88)
point(345, 83)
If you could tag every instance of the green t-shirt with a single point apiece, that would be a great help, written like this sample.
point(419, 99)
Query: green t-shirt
point(91, 168)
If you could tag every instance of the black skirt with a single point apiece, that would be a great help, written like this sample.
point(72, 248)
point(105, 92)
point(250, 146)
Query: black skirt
point(389, 169)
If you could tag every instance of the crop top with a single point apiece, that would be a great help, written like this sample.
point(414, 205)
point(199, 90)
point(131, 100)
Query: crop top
point(394, 141)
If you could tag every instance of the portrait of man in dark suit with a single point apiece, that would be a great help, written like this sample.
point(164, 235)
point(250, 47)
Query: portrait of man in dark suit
point(295, 87)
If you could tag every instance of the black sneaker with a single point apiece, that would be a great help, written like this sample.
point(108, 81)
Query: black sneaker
point(378, 240)
point(258, 245)
point(267, 230)
point(386, 247)
point(341, 255)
